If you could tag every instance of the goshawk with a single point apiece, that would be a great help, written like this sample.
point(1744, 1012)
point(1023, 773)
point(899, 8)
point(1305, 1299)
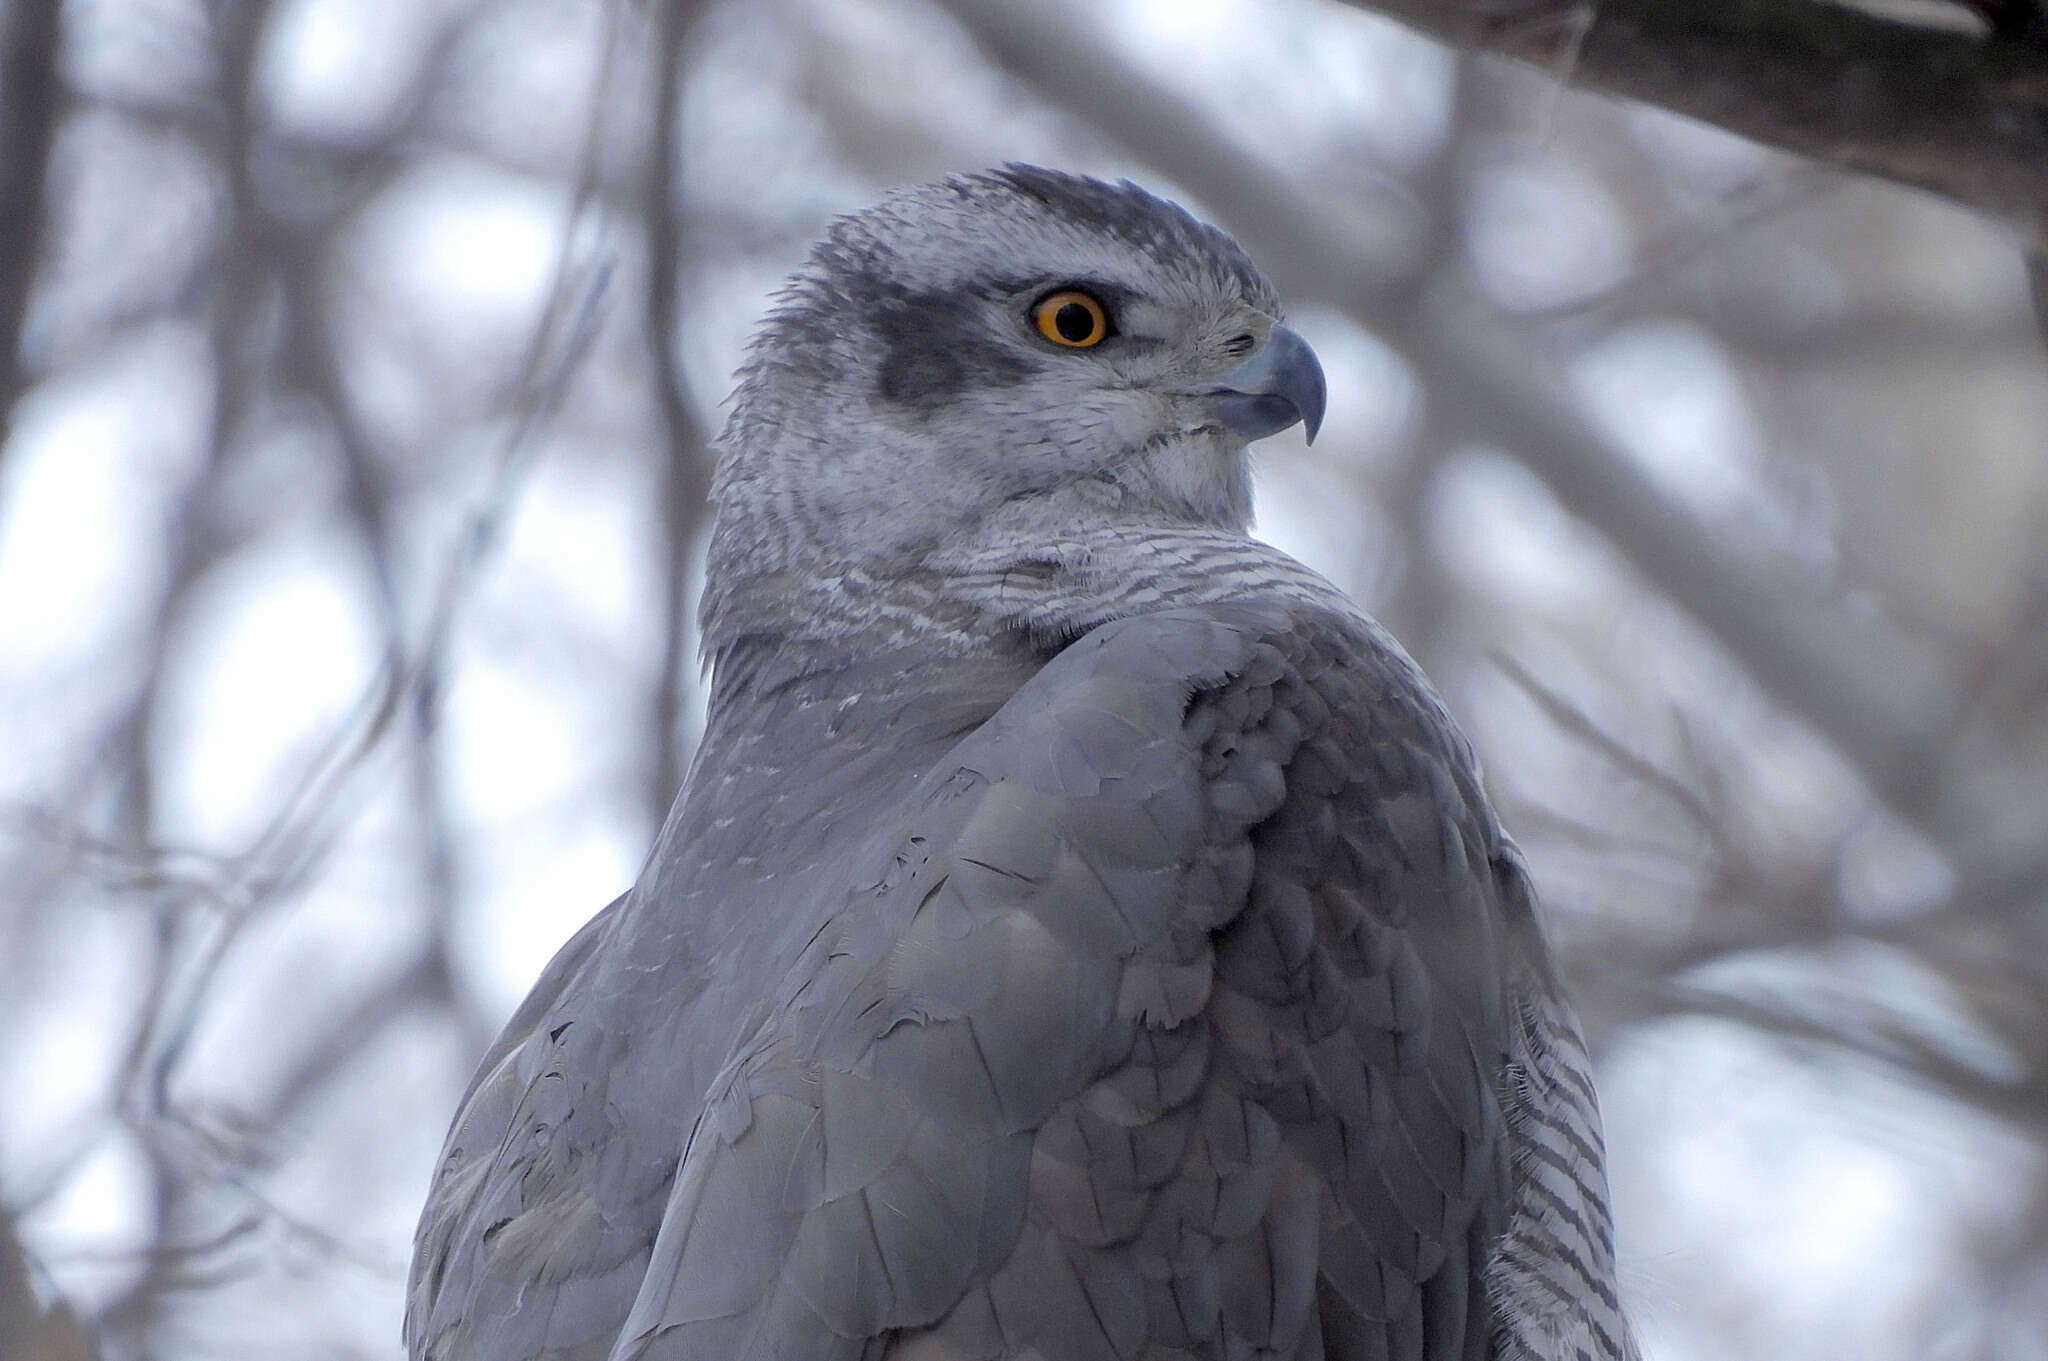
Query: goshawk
point(1083, 934)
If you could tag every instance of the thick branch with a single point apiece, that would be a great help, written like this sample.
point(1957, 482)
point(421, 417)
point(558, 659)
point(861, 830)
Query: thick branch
point(1962, 116)
point(28, 125)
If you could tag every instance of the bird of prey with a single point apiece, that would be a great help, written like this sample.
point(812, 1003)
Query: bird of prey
point(1082, 935)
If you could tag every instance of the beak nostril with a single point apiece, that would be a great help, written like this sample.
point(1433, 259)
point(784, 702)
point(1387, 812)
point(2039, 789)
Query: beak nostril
point(1240, 343)
point(1279, 384)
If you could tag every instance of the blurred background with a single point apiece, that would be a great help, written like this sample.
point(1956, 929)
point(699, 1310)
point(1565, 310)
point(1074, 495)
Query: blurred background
point(365, 357)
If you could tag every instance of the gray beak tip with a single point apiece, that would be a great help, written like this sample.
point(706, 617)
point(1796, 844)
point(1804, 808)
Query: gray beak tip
point(1279, 385)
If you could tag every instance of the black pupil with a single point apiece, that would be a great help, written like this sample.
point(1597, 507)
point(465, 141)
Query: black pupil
point(1074, 322)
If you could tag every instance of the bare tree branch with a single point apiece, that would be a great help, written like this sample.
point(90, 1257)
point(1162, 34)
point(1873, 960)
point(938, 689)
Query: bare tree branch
point(1629, 762)
point(1959, 115)
point(1879, 1037)
point(28, 126)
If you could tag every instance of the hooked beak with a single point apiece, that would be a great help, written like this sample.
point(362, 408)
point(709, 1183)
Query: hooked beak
point(1280, 384)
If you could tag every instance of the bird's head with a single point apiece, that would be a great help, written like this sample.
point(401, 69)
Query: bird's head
point(1021, 345)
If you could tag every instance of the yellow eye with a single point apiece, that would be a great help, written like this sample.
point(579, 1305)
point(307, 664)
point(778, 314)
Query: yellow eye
point(1071, 318)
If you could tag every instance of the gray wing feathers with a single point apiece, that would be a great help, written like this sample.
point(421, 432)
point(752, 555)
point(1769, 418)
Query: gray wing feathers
point(1172, 1025)
point(1187, 1007)
point(884, 1112)
point(1357, 999)
point(515, 1256)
